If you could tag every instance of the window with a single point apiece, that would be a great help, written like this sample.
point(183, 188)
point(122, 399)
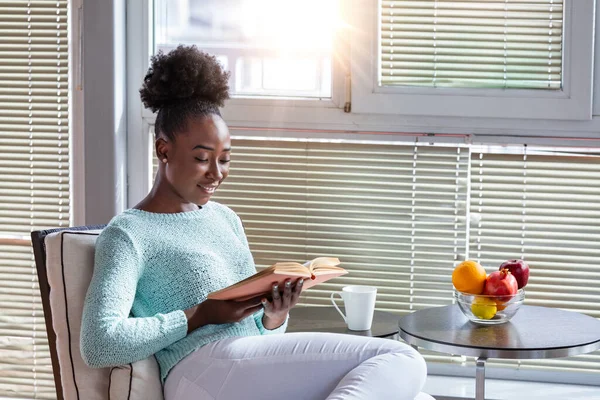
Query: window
point(486, 58)
point(359, 98)
point(479, 44)
point(263, 43)
point(34, 182)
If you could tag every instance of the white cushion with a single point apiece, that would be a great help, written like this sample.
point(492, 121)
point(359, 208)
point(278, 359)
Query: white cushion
point(70, 259)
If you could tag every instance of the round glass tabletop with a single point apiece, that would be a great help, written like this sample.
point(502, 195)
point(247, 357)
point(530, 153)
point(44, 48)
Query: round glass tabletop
point(534, 332)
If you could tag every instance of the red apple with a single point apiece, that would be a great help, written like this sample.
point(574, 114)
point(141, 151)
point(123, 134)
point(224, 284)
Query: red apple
point(501, 284)
point(519, 269)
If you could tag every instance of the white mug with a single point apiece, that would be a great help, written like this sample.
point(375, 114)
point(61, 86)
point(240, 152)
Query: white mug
point(359, 302)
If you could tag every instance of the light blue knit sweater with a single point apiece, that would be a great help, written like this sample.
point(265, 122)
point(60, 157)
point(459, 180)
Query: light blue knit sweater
point(148, 268)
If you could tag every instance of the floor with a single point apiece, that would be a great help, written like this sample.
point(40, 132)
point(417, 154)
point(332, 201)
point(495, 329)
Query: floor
point(454, 388)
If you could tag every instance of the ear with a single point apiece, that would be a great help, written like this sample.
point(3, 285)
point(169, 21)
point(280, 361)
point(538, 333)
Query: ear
point(162, 146)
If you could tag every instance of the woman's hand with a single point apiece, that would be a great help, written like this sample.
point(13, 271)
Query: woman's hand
point(220, 312)
point(276, 310)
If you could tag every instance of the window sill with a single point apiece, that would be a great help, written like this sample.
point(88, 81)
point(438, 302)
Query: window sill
point(496, 130)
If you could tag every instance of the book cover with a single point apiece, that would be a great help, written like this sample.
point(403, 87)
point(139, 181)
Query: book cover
point(314, 272)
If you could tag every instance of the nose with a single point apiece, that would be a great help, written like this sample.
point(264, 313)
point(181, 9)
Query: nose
point(214, 171)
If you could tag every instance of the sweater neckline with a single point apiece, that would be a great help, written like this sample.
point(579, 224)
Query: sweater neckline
point(170, 216)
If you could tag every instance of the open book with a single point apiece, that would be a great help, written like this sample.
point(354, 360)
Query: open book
point(319, 270)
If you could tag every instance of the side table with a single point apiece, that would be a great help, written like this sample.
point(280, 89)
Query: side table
point(534, 332)
point(327, 319)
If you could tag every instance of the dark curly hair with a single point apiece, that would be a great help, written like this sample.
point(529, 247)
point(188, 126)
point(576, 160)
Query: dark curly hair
point(184, 83)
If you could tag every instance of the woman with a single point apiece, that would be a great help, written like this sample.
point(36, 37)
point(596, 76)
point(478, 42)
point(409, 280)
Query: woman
point(156, 263)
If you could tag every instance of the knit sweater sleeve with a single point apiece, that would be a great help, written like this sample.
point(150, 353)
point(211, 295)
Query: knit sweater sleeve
point(109, 335)
point(264, 331)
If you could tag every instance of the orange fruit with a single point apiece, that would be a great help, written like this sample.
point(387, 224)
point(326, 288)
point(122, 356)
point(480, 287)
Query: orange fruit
point(500, 305)
point(469, 277)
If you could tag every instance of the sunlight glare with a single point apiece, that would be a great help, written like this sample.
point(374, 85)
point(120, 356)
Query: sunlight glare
point(292, 25)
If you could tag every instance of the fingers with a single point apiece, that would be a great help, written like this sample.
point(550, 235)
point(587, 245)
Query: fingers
point(267, 305)
point(287, 294)
point(276, 296)
point(283, 300)
point(296, 292)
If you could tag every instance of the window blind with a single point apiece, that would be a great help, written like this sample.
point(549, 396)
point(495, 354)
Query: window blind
point(34, 181)
point(394, 215)
point(471, 43)
point(542, 207)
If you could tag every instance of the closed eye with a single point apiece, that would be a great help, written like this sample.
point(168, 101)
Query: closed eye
point(225, 161)
point(201, 159)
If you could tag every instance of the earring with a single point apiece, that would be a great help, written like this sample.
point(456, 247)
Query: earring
point(164, 160)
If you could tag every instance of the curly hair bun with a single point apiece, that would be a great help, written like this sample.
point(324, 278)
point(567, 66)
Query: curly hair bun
point(184, 74)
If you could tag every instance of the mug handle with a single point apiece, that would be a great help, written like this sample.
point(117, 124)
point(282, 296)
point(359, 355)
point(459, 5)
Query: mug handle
point(335, 305)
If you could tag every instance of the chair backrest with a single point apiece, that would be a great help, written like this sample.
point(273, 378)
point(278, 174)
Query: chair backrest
point(65, 260)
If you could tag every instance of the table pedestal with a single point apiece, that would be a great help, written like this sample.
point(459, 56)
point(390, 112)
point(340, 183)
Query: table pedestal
point(480, 379)
point(479, 376)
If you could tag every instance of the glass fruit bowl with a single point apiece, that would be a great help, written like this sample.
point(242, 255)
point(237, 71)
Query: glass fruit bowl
point(489, 310)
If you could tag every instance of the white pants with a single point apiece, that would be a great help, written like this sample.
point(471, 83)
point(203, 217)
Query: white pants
point(299, 366)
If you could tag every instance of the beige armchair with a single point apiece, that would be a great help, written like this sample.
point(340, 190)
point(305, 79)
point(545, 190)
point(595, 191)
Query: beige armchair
point(65, 262)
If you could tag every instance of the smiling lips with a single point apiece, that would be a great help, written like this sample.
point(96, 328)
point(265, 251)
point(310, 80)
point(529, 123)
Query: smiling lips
point(210, 189)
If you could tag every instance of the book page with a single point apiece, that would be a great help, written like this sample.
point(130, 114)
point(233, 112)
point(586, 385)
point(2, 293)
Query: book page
point(321, 265)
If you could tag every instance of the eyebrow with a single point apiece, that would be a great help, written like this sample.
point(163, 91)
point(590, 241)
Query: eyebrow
point(199, 146)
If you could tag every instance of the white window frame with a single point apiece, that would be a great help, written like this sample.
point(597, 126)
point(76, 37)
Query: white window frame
point(139, 161)
point(338, 81)
point(573, 102)
point(76, 156)
point(140, 32)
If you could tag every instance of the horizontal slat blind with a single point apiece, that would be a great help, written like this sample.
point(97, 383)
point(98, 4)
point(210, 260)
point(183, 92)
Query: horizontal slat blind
point(394, 215)
point(34, 181)
point(544, 209)
point(471, 43)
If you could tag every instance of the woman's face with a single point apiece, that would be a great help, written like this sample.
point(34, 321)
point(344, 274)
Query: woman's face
point(197, 160)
